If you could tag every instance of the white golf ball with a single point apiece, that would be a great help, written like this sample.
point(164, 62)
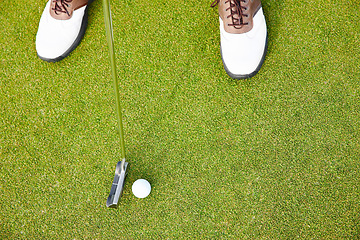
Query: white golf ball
point(141, 188)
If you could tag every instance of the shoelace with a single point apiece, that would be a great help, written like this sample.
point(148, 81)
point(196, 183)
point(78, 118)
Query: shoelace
point(236, 12)
point(61, 6)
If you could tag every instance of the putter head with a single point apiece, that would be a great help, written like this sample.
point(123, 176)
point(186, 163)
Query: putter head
point(117, 185)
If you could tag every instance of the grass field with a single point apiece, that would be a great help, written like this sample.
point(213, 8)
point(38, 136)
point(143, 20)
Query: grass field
point(273, 157)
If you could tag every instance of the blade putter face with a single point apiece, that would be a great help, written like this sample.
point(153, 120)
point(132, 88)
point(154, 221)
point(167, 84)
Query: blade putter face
point(117, 185)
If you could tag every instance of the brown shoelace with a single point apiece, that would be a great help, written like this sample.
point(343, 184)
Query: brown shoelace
point(61, 6)
point(236, 12)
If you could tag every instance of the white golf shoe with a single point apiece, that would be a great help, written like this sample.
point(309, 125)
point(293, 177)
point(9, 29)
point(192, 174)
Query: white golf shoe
point(61, 28)
point(243, 36)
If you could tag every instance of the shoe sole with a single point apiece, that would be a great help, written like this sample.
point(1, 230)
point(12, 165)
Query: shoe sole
point(250, 75)
point(76, 42)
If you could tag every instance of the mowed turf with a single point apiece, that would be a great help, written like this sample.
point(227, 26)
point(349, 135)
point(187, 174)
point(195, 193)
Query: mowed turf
point(273, 157)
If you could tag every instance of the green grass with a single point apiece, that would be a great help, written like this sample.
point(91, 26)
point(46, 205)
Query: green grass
point(273, 157)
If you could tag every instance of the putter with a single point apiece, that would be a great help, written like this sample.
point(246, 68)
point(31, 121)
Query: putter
point(120, 171)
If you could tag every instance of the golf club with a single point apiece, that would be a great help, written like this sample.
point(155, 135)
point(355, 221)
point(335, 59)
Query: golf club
point(121, 166)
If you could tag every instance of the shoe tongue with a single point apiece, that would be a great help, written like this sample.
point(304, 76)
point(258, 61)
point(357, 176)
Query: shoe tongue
point(64, 9)
point(61, 10)
point(237, 10)
point(237, 18)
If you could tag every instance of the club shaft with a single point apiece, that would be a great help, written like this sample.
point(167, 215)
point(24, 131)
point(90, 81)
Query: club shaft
point(110, 40)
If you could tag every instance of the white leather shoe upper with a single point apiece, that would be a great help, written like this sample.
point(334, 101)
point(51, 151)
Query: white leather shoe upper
point(243, 53)
point(55, 37)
